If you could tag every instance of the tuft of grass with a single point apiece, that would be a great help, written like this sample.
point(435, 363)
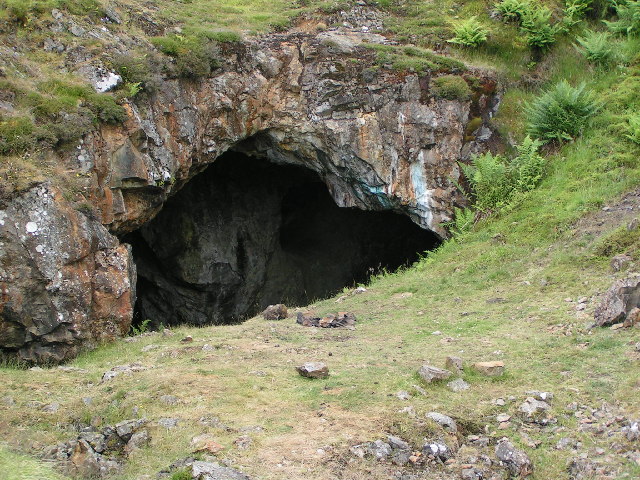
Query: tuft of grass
point(451, 87)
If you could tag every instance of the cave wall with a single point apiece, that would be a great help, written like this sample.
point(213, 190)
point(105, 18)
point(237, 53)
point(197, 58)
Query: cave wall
point(246, 233)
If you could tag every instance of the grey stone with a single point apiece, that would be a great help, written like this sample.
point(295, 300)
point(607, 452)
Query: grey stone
point(431, 374)
point(397, 443)
point(51, 408)
point(621, 298)
point(169, 399)
point(214, 471)
point(437, 449)
point(126, 428)
point(534, 410)
point(275, 312)
point(454, 364)
point(444, 421)
point(168, 423)
point(379, 449)
point(138, 440)
point(620, 262)
point(313, 370)
point(458, 385)
point(516, 461)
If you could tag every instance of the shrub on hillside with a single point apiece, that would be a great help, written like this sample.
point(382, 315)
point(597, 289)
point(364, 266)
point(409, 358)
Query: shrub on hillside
point(536, 23)
point(514, 10)
point(195, 56)
point(451, 87)
point(628, 21)
point(494, 179)
point(469, 33)
point(560, 113)
point(596, 46)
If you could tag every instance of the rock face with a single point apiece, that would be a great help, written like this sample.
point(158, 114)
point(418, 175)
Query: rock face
point(619, 301)
point(66, 282)
point(377, 138)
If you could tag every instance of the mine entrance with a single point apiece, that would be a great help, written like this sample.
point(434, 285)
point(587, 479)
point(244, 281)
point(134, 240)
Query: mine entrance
point(247, 233)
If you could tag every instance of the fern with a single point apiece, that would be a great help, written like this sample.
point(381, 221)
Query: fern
point(628, 18)
point(596, 46)
point(469, 33)
point(560, 113)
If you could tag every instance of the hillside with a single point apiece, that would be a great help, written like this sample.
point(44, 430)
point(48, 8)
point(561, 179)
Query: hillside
point(517, 282)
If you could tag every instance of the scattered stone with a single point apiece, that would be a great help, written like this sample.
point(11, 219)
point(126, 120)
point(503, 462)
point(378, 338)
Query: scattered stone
point(403, 395)
point(454, 364)
point(169, 399)
point(458, 385)
point(422, 391)
point(148, 348)
point(431, 374)
point(208, 348)
point(632, 432)
point(51, 408)
point(112, 15)
point(620, 262)
point(503, 417)
point(444, 421)
point(214, 471)
point(471, 474)
point(516, 461)
point(637, 347)
point(275, 312)
point(618, 301)
point(167, 333)
point(138, 440)
point(359, 290)
point(127, 369)
point(437, 449)
point(206, 443)
point(633, 318)
point(313, 370)
point(187, 339)
point(243, 442)
point(168, 423)
point(500, 402)
point(8, 401)
point(127, 428)
point(565, 442)
point(378, 449)
point(64, 368)
point(534, 410)
point(542, 396)
point(437, 332)
point(341, 319)
point(490, 369)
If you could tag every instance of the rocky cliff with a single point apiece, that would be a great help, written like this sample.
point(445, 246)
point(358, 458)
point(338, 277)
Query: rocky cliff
point(379, 139)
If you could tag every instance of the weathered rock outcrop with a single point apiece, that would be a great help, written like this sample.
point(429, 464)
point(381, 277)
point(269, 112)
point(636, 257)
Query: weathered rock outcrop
point(66, 282)
point(378, 138)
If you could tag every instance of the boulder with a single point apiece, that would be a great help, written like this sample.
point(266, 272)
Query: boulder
point(66, 283)
point(431, 374)
point(214, 471)
point(444, 421)
point(454, 364)
point(490, 369)
point(516, 461)
point(275, 312)
point(621, 298)
point(313, 370)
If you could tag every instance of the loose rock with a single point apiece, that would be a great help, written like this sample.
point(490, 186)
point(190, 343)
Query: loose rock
point(620, 299)
point(458, 385)
point(516, 461)
point(454, 364)
point(444, 421)
point(490, 369)
point(431, 374)
point(313, 370)
point(275, 312)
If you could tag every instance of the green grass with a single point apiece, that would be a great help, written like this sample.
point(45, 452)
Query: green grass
point(16, 466)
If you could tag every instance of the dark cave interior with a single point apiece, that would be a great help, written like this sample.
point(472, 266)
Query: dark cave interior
point(247, 233)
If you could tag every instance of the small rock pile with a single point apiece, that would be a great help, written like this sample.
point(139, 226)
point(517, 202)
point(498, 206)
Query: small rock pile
point(201, 470)
point(99, 454)
point(341, 319)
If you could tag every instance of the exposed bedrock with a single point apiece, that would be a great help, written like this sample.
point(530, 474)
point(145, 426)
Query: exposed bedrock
point(377, 139)
point(246, 233)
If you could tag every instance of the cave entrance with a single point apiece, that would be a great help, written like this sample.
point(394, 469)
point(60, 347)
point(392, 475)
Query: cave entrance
point(247, 233)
